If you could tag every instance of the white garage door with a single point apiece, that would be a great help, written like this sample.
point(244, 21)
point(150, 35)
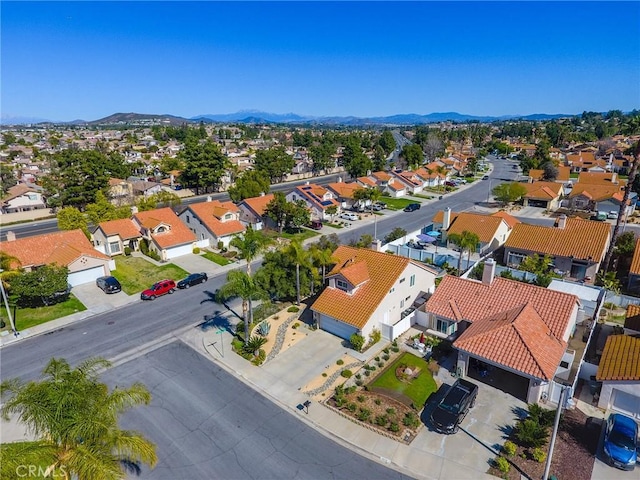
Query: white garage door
point(85, 276)
point(625, 402)
point(339, 329)
point(179, 251)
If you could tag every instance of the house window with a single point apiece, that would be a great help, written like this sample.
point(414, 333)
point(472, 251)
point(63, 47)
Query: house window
point(228, 216)
point(402, 303)
point(114, 247)
point(443, 326)
point(515, 258)
point(393, 289)
point(161, 229)
point(342, 285)
point(188, 219)
point(402, 279)
point(412, 280)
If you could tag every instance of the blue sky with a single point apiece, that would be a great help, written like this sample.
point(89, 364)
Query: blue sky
point(87, 60)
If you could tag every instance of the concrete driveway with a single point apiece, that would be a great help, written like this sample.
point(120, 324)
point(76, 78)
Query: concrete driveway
point(602, 470)
point(196, 263)
point(97, 301)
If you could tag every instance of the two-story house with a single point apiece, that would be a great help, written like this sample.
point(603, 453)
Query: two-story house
point(214, 223)
point(22, 198)
point(165, 233)
point(344, 193)
point(252, 211)
point(112, 237)
point(317, 198)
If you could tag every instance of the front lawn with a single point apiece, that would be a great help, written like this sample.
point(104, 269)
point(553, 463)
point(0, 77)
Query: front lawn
point(136, 274)
point(417, 389)
point(30, 317)
point(216, 258)
point(302, 235)
point(398, 203)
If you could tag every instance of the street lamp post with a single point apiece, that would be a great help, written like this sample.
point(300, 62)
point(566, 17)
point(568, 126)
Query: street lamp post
point(552, 443)
point(489, 192)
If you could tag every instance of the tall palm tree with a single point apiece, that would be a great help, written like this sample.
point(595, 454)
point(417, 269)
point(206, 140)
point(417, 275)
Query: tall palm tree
point(322, 258)
point(250, 244)
point(466, 241)
point(301, 258)
point(75, 420)
point(242, 285)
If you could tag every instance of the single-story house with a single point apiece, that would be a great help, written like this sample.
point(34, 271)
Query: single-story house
point(576, 246)
point(165, 233)
point(69, 248)
point(619, 372)
point(564, 175)
point(520, 329)
point(22, 198)
point(543, 194)
point(344, 193)
point(370, 290)
point(213, 222)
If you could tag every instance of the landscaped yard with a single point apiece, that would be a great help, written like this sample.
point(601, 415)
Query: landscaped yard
point(417, 387)
point(398, 203)
point(217, 258)
point(302, 235)
point(136, 274)
point(30, 317)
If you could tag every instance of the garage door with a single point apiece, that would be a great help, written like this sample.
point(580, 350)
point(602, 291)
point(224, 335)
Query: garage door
point(179, 251)
point(339, 329)
point(85, 276)
point(625, 402)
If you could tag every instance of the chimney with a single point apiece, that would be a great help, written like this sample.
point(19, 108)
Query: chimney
point(339, 179)
point(376, 245)
point(307, 182)
point(262, 194)
point(11, 236)
point(209, 198)
point(134, 210)
point(562, 221)
point(446, 219)
point(489, 271)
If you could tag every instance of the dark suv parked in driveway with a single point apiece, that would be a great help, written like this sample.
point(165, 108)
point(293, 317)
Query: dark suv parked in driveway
point(108, 284)
point(454, 406)
point(161, 288)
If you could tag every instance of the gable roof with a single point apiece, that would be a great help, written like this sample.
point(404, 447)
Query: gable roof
point(178, 234)
point(211, 214)
point(485, 226)
point(383, 270)
point(314, 194)
point(344, 189)
point(17, 191)
point(543, 190)
point(460, 298)
point(564, 174)
point(517, 338)
point(635, 261)
point(597, 192)
point(510, 220)
point(600, 178)
point(620, 359)
point(367, 181)
point(258, 204)
point(125, 227)
point(582, 239)
point(632, 318)
point(61, 248)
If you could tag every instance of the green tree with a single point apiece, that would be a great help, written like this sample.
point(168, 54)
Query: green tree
point(74, 418)
point(466, 241)
point(248, 185)
point(356, 163)
point(250, 244)
point(275, 163)
point(301, 258)
point(395, 234)
point(242, 285)
point(204, 165)
point(7, 178)
point(9, 138)
point(530, 433)
point(507, 193)
point(332, 211)
point(538, 264)
point(298, 214)
point(42, 286)
point(387, 142)
point(322, 157)
point(322, 258)
point(70, 218)
point(159, 200)
point(550, 171)
point(379, 159)
point(102, 210)
point(277, 210)
point(413, 155)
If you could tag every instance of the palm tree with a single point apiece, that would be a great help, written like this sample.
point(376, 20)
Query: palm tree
point(75, 420)
point(371, 195)
point(465, 241)
point(242, 285)
point(442, 172)
point(322, 258)
point(301, 258)
point(251, 244)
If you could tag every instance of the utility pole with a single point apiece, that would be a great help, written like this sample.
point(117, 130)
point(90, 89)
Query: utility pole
point(554, 434)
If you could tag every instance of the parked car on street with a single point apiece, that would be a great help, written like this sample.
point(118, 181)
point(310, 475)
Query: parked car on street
point(450, 183)
point(485, 177)
point(193, 279)
point(621, 441)
point(412, 207)
point(454, 406)
point(108, 284)
point(613, 215)
point(315, 225)
point(349, 216)
point(160, 288)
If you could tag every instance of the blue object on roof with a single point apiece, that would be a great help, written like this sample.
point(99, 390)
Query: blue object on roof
point(433, 233)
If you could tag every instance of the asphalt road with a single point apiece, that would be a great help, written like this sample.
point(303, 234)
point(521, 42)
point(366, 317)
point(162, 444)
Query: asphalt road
point(206, 424)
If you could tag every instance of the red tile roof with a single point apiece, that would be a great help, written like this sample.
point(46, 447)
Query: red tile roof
point(582, 239)
point(126, 228)
point(510, 220)
point(517, 338)
point(635, 262)
point(620, 359)
point(543, 190)
point(485, 226)
point(61, 248)
point(258, 204)
point(460, 298)
point(178, 233)
point(344, 189)
point(632, 318)
point(383, 271)
point(211, 215)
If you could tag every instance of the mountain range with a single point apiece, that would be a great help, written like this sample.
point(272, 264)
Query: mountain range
point(259, 117)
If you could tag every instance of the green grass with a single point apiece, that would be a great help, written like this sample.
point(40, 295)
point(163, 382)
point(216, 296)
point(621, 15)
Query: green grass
point(398, 203)
point(30, 317)
point(301, 236)
point(418, 390)
point(426, 197)
point(216, 258)
point(136, 274)
point(333, 225)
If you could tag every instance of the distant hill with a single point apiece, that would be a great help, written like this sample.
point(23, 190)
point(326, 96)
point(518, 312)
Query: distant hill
point(140, 119)
point(253, 116)
point(16, 120)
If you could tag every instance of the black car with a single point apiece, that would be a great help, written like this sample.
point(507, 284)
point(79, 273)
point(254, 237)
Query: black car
point(108, 284)
point(454, 406)
point(193, 279)
point(412, 207)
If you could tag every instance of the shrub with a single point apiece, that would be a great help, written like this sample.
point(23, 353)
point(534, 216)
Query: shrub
point(263, 328)
point(357, 342)
point(127, 251)
point(340, 401)
point(391, 411)
point(254, 344)
point(220, 245)
point(386, 350)
point(260, 358)
point(542, 416)
point(346, 373)
point(380, 364)
point(433, 367)
point(324, 374)
point(360, 398)
point(502, 464)
point(293, 309)
point(359, 383)
point(377, 401)
point(196, 250)
point(395, 349)
point(377, 359)
point(382, 420)
point(539, 455)
point(411, 420)
point(358, 376)
point(375, 336)
point(295, 325)
point(352, 407)
point(509, 448)
point(386, 357)
point(364, 414)
point(351, 389)
point(367, 373)
point(394, 427)
point(340, 362)
point(530, 433)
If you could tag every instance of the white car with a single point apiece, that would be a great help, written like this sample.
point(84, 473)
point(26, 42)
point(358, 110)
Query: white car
point(613, 215)
point(349, 216)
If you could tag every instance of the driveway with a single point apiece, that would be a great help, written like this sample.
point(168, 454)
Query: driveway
point(196, 263)
point(602, 471)
point(97, 301)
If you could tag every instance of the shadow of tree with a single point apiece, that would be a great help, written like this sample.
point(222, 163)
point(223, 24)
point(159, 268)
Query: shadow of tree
point(212, 297)
point(520, 413)
point(217, 320)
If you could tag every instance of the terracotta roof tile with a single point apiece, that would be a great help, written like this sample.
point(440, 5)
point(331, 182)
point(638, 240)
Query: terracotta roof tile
point(510, 220)
point(344, 189)
point(580, 238)
point(632, 318)
point(125, 227)
point(383, 176)
point(485, 226)
point(383, 269)
point(517, 338)
point(258, 204)
point(178, 233)
point(476, 300)
point(620, 359)
point(314, 194)
point(543, 190)
point(596, 192)
point(635, 262)
point(59, 247)
point(599, 178)
point(367, 181)
point(211, 214)
point(355, 272)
